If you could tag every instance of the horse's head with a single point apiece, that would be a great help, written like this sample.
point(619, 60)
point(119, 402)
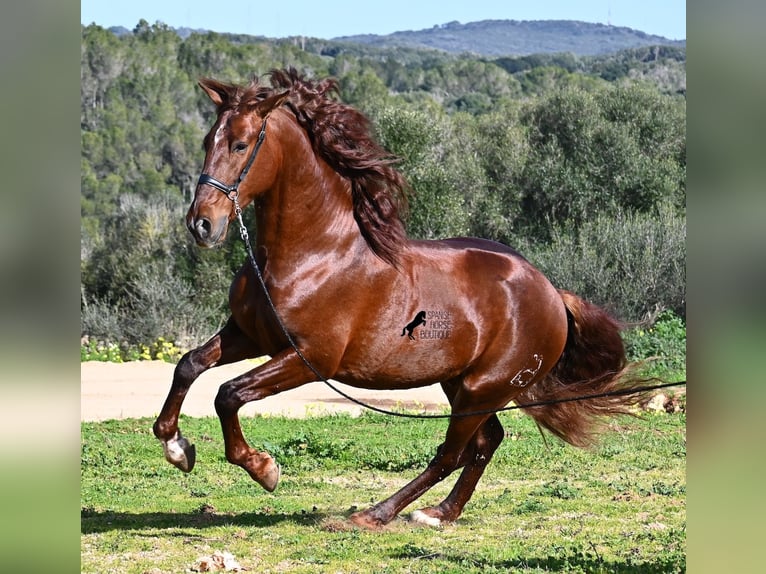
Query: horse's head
point(239, 162)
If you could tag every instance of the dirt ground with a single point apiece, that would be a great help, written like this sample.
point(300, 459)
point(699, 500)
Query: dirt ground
point(138, 389)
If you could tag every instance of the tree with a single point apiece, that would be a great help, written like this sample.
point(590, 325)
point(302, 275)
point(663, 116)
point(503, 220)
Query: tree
point(499, 143)
point(599, 152)
point(440, 177)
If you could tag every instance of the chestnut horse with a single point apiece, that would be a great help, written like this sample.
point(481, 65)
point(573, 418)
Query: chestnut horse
point(347, 284)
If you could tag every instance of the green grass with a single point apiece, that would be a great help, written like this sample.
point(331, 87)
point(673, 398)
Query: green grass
point(620, 507)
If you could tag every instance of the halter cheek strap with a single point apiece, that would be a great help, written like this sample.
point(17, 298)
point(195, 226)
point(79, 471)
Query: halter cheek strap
point(232, 191)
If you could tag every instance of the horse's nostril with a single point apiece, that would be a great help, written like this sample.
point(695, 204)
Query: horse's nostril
point(203, 227)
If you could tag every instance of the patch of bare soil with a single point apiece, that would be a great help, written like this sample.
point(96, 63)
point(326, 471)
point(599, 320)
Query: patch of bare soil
point(138, 389)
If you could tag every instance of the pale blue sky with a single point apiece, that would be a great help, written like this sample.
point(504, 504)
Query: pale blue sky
point(332, 18)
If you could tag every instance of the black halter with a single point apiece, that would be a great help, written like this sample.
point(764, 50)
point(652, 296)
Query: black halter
point(231, 191)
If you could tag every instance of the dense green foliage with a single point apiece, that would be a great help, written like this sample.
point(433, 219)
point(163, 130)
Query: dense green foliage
point(661, 347)
point(578, 162)
point(541, 506)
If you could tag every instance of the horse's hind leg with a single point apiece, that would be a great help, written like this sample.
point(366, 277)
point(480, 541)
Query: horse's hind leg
point(449, 457)
point(227, 346)
point(475, 458)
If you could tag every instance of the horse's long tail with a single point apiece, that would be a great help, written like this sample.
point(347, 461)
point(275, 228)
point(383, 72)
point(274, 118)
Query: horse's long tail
point(593, 363)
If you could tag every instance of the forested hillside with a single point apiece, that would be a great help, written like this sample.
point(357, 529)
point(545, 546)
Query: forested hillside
point(579, 162)
point(519, 38)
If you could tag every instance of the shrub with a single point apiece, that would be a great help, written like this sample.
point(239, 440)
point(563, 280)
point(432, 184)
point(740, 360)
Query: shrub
point(142, 278)
point(662, 345)
point(632, 264)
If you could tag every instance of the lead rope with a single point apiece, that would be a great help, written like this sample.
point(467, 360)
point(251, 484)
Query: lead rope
point(246, 239)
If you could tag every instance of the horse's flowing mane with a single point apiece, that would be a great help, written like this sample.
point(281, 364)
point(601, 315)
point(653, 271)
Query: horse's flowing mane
point(341, 135)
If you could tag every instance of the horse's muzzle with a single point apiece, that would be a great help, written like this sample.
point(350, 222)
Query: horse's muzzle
point(206, 232)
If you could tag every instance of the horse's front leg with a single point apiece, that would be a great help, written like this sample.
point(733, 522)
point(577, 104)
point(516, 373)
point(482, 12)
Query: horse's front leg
point(227, 346)
point(283, 372)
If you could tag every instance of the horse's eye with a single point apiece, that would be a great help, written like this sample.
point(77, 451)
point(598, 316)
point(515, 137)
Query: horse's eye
point(240, 146)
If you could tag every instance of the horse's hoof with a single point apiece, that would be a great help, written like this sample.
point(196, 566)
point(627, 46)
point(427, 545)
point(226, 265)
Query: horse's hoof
point(420, 517)
point(180, 453)
point(263, 470)
point(270, 480)
point(186, 464)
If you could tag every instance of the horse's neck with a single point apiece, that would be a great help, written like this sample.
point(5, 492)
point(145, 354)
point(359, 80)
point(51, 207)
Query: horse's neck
point(308, 211)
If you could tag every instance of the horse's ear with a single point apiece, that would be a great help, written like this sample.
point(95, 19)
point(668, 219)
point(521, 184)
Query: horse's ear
point(265, 107)
point(215, 90)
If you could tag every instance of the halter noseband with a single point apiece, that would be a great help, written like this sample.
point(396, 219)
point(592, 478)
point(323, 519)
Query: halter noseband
point(232, 191)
